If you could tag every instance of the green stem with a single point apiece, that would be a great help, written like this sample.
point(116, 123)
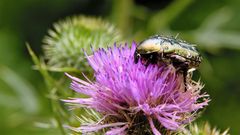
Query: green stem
point(121, 14)
point(51, 85)
point(54, 105)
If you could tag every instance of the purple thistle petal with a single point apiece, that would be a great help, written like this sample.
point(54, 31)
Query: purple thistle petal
point(154, 130)
point(117, 131)
point(168, 123)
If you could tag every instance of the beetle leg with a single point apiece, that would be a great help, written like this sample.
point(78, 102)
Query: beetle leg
point(185, 79)
point(136, 57)
point(178, 58)
point(191, 70)
point(179, 61)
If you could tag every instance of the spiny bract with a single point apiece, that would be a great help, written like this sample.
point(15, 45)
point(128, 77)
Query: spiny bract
point(64, 44)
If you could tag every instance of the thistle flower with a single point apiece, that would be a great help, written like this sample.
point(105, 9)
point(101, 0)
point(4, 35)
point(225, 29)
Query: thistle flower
point(133, 98)
point(63, 45)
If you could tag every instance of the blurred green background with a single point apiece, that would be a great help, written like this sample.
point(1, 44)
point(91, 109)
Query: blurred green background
point(212, 24)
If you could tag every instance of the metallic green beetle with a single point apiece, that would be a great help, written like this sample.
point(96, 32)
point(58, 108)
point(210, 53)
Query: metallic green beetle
point(159, 49)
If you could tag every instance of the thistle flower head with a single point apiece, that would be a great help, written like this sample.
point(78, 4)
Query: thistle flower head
point(63, 45)
point(133, 98)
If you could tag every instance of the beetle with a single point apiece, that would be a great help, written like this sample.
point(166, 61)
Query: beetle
point(168, 50)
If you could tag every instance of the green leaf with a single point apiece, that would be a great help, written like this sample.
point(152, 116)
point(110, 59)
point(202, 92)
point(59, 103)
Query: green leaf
point(24, 91)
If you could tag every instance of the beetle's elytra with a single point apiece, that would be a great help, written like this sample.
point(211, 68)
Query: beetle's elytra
point(169, 50)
